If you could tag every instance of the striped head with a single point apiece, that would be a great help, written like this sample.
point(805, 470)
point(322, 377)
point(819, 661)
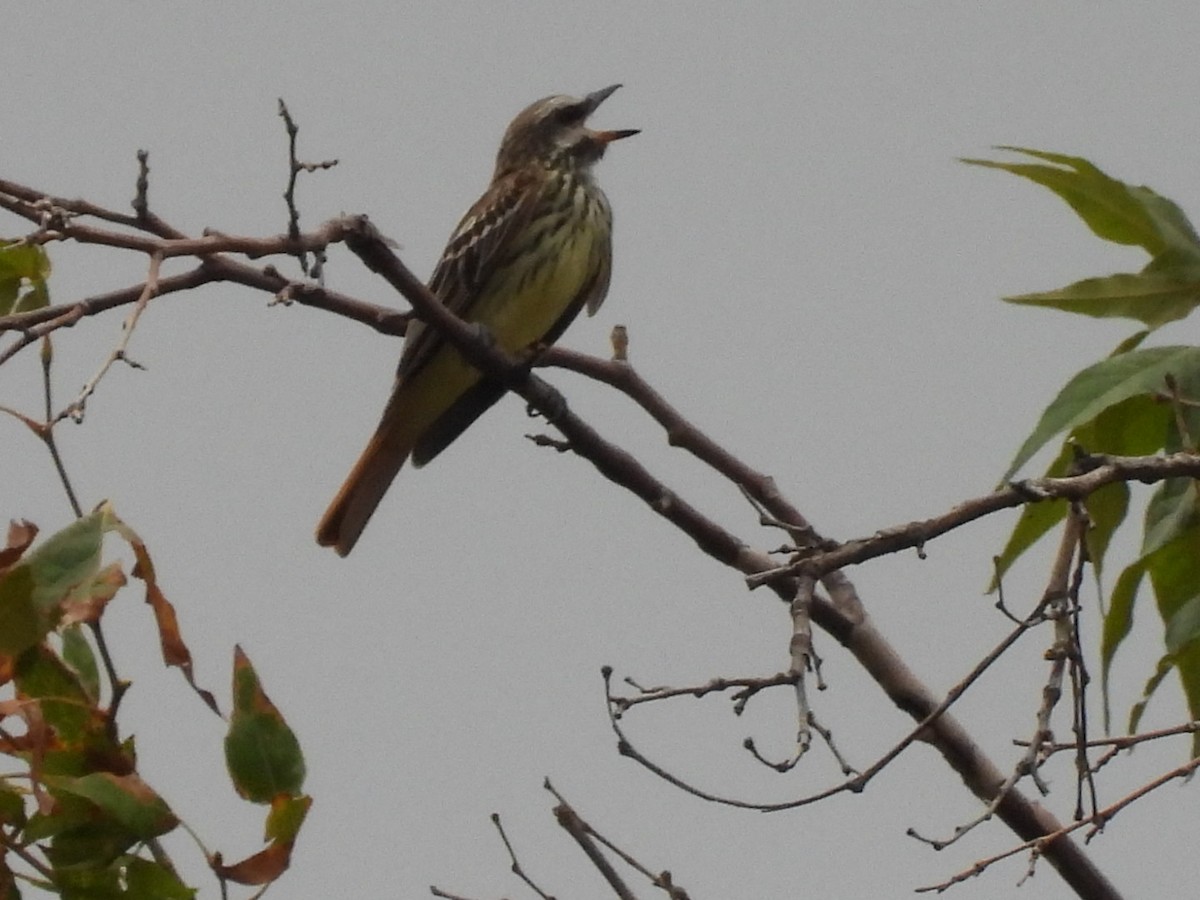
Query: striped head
point(554, 131)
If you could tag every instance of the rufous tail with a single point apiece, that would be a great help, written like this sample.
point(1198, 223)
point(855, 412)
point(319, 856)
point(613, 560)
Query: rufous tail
point(367, 482)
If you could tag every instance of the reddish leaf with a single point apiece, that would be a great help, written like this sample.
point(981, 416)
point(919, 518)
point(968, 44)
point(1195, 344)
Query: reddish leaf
point(87, 602)
point(287, 813)
point(20, 536)
point(175, 652)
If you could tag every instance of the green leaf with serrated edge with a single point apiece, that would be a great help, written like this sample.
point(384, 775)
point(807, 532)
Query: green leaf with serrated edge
point(78, 654)
point(261, 752)
point(123, 799)
point(1152, 298)
point(1113, 210)
point(1103, 385)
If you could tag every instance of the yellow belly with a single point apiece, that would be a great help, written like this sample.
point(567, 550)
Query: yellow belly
point(521, 307)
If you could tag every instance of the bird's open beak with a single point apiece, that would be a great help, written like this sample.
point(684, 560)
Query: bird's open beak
point(607, 137)
point(594, 99)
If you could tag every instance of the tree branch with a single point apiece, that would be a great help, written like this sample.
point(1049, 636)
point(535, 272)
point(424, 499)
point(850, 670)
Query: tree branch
point(1029, 820)
point(843, 618)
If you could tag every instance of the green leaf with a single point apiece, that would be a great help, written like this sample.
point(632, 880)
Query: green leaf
point(66, 559)
point(124, 799)
point(262, 753)
point(80, 741)
point(1113, 210)
point(77, 653)
point(285, 818)
point(1184, 626)
point(24, 261)
point(1035, 520)
point(1132, 427)
point(10, 288)
point(1170, 512)
point(1174, 571)
point(41, 675)
point(1130, 343)
point(1152, 298)
point(21, 624)
point(1107, 509)
point(1104, 385)
point(23, 265)
point(1161, 670)
point(148, 880)
point(12, 806)
point(88, 883)
point(1118, 620)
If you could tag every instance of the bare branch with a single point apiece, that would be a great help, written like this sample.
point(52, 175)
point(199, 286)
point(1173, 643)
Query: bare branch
point(75, 410)
point(1098, 820)
point(295, 167)
point(1107, 470)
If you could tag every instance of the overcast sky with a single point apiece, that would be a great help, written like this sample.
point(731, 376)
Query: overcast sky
point(804, 269)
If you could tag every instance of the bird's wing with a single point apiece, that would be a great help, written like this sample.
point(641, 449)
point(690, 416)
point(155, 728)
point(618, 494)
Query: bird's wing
point(483, 235)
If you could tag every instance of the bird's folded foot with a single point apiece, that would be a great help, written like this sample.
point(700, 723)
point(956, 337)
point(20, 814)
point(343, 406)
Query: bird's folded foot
point(552, 409)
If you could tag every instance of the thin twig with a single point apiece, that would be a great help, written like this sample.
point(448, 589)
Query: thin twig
point(75, 410)
point(295, 167)
point(1108, 470)
point(515, 865)
point(1097, 821)
point(46, 431)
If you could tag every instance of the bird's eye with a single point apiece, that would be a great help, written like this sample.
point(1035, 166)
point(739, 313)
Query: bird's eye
point(571, 114)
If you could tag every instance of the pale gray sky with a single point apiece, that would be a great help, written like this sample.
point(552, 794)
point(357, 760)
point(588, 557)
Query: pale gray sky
point(804, 270)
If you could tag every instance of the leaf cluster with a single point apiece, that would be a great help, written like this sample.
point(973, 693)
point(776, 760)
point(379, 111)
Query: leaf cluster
point(1137, 401)
point(76, 818)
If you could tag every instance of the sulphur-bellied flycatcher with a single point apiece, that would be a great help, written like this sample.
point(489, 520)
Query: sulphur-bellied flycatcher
point(531, 252)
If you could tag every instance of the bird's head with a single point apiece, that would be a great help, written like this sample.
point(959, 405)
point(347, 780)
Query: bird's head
point(556, 127)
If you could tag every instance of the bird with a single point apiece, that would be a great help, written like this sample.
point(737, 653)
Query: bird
point(529, 254)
